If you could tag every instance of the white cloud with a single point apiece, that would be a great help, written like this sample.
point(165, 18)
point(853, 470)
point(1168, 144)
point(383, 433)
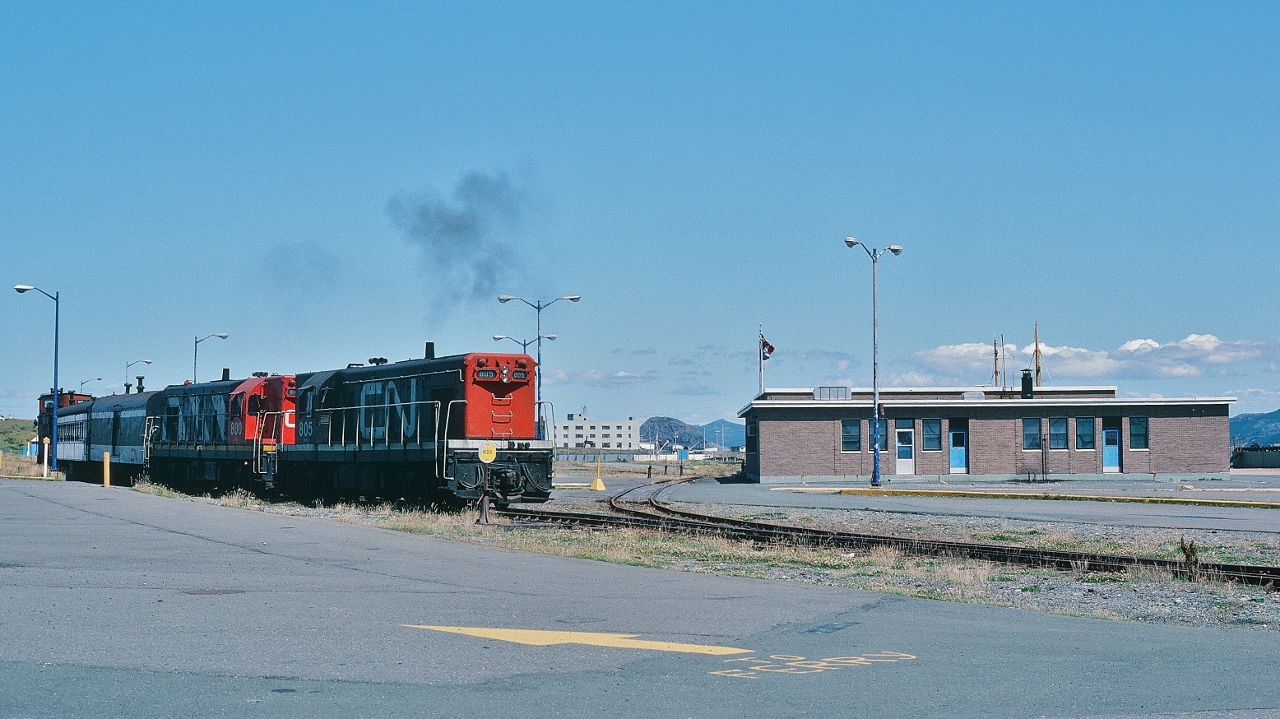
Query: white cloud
point(598, 378)
point(1139, 358)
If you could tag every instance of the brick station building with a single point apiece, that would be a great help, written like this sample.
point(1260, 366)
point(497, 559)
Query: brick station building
point(825, 433)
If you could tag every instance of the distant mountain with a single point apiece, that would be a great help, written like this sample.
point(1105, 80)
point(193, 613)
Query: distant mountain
point(1260, 429)
point(673, 431)
point(735, 435)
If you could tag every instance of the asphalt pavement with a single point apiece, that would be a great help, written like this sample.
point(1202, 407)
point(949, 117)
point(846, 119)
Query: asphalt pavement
point(116, 603)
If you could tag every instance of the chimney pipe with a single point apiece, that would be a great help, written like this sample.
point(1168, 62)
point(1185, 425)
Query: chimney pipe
point(127, 385)
point(140, 387)
point(1028, 385)
point(430, 352)
point(226, 374)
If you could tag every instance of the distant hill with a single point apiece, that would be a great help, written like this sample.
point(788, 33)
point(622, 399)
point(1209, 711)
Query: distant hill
point(1260, 429)
point(14, 434)
point(735, 435)
point(673, 431)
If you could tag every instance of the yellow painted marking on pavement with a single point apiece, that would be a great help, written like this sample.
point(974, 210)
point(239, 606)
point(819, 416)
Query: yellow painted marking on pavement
point(863, 492)
point(542, 638)
point(793, 664)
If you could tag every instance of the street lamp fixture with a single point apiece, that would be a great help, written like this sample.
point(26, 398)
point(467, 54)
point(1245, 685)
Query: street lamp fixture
point(875, 353)
point(130, 364)
point(524, 344)
point(538, 306)
point(53, 423)
point(196, 356)
point(85, 382)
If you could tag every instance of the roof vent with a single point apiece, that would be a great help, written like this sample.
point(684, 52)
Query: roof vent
point(973, 395)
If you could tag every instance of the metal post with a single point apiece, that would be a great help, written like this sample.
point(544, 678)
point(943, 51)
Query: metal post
point(57, 311)
point(106, 469)
point(875, 374)
point(538, 391)
point(195, 362)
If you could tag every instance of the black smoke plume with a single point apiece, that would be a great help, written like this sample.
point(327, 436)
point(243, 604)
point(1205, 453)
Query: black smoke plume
point(464, 237)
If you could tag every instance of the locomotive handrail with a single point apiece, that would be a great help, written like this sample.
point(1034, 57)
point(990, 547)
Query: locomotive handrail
point(444, 455)
point(538, 419)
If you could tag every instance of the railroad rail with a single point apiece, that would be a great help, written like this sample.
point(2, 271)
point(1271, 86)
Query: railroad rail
point(654, 514)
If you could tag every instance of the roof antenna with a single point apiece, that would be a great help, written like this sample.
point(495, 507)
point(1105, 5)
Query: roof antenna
point(1037, 354)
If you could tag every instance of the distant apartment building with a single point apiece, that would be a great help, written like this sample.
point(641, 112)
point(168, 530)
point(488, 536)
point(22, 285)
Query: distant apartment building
point(578, 432)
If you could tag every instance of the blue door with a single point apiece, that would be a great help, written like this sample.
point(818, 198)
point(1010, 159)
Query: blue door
point(959, 451)
point(1110, 450)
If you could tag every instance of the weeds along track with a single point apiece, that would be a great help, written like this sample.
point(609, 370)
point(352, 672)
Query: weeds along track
point(651, 512)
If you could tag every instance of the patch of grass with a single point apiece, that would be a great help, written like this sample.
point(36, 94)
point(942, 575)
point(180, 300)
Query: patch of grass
point(14, 435)
point(146, 486)
point(19, 466)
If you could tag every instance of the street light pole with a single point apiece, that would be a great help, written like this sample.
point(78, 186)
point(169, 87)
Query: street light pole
point(875, 354)
point(85, 382)
point(539, 306)
point(195, 361)
point(57, 311)
point(130, 364)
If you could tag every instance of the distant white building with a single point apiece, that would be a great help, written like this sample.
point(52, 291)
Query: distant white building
point(578, 432)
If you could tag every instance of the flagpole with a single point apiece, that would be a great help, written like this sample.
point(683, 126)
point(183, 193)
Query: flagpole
point(760, 357)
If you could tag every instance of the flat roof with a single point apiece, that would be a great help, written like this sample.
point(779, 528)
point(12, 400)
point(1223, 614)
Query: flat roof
point(865, 402)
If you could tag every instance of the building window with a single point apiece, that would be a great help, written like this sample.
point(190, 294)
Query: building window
point(931, 431)
point(1057, 433)
point(1031, 433)
point(1086, 438)
point(1138, 433)
point(850, 435)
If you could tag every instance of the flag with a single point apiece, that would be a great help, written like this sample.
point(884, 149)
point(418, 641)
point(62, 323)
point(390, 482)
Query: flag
point(766, 349)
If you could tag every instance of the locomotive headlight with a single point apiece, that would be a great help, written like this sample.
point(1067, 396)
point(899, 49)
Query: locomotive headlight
point(505, 372)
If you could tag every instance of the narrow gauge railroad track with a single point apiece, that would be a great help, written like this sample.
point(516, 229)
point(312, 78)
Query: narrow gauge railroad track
point(655, 514)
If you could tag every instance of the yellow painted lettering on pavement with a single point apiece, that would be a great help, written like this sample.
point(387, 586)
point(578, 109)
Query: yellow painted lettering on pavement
point(543, 638)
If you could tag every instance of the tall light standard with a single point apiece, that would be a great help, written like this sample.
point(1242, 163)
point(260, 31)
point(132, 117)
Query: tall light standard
point(875, 354)
point(87, 381)
point(524, 344)
point(53, 425)
point(539, 306)
point(130, 364)
point(195, 360)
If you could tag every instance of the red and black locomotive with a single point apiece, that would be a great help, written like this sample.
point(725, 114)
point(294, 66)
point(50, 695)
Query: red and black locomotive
point(411, 430)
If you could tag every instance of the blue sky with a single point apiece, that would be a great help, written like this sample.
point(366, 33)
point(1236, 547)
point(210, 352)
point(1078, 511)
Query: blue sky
point(329, 183)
